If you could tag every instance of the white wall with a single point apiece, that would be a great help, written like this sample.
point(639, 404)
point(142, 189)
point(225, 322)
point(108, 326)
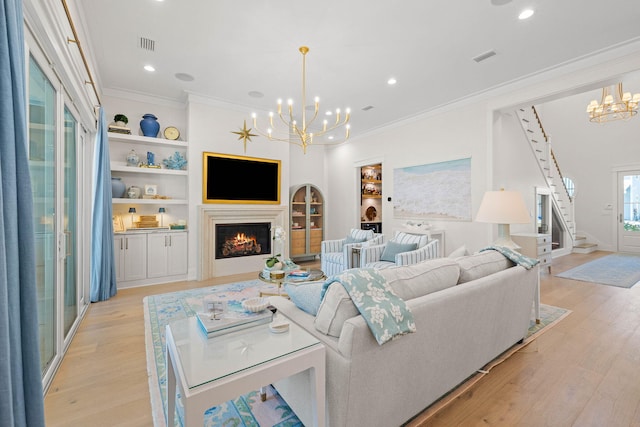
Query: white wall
point(440, 137)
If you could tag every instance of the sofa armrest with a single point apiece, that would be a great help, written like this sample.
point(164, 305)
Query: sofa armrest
point(429, 251)
point(369, 254)
point(332, 245)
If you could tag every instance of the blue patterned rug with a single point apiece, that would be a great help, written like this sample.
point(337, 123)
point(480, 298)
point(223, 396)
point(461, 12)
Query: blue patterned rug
point(245, 411)
point(621, 270)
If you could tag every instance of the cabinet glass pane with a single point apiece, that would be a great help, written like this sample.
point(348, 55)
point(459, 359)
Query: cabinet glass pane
point(42, 167)
point(70, 221)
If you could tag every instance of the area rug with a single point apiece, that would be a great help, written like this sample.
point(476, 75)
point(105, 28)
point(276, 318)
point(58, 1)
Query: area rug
point(621, 270)
point(245, 411)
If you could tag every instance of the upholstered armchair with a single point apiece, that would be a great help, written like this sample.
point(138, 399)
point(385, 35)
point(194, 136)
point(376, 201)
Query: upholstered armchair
point(336, 255)
point(403, 249)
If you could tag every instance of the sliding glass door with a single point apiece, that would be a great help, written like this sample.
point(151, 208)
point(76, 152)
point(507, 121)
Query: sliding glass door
point(55, 138)
point(42, 164)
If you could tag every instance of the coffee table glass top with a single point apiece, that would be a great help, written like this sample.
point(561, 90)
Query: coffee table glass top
point(205, 359)
point(314, 276)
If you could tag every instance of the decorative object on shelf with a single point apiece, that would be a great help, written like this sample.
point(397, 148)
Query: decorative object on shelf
point(121, 120)
point(303, 132)
point(371, 213)
point(119, 124)
point(132, 158)
point(134, 192)
point(177, 226)
point(171, 132)
point(244, 135)
point(118, 188)
point(150, 189)
point(614, 105)
point(503, 208)
point(417, 224)
point(149, 125)
point(162, 211)
point(118, 225)
point(132, 210)
point(147, 221)
point(151, 158)
point(175, 162)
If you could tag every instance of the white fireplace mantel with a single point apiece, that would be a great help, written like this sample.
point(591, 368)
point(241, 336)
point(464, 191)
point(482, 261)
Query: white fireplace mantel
point(208, 266)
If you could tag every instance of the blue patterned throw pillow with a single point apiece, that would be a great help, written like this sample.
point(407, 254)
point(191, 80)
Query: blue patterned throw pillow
point(306, 296)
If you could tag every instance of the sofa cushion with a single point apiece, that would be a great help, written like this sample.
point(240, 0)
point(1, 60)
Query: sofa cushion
point(482, 264)
point(306, 296)
point(416, 280)
point(391, 249)
point(335, 309)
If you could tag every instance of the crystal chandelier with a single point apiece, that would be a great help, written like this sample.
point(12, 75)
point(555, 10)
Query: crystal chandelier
point(285, 126)
point(614, 105)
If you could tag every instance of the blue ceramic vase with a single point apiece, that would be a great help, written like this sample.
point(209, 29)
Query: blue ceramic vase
point(117, 187)
point(149, 125)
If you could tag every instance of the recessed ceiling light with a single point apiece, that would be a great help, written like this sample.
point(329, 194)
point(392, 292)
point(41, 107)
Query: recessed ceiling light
point(149, 68)
point(184, 77)
point(392, 81)
point(526, 14)
point(328, 113)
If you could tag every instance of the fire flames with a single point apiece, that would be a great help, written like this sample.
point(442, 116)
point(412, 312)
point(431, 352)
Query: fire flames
point(241, 244)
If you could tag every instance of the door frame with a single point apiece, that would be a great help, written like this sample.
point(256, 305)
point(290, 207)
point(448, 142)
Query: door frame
point(618, 200)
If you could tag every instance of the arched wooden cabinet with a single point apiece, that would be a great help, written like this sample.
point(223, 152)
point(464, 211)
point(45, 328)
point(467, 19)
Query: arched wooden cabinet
point(306, 215)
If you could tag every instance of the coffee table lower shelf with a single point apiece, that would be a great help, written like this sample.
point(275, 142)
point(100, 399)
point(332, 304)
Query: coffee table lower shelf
point(190, 357)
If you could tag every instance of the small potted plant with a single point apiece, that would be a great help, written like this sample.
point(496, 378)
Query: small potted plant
point(121, 120)
point(273, 263)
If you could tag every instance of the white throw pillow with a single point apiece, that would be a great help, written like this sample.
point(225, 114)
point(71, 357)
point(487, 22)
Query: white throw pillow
point(461, 251)
point(335, 309)
point(482, 264)
point(416, 280)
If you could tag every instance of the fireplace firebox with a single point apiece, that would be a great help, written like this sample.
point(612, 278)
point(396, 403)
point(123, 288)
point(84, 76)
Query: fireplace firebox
point(243, 239)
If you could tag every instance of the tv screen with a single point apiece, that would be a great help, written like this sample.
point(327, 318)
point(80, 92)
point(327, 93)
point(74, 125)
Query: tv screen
point(239, 179)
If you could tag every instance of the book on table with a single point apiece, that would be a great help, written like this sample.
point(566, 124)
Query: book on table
point(233, 319)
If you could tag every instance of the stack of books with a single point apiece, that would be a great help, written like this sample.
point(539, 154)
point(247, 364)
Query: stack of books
point(232, 320)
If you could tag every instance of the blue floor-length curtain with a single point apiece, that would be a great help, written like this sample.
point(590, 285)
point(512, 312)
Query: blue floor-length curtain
point(103, 268)
point(21, 396)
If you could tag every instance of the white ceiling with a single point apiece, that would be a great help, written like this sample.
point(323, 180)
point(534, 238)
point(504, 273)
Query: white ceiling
point(233, 47)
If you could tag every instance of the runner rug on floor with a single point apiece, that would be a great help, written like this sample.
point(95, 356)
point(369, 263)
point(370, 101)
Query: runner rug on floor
point(247, 410)
point(621, 270)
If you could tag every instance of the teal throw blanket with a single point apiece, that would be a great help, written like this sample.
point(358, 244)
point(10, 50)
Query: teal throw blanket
point(387, 315)
point(514, 256)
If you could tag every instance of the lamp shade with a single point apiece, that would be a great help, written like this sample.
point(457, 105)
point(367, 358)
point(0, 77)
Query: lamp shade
point(503, 207)
point(132, 210)
point(162, 210)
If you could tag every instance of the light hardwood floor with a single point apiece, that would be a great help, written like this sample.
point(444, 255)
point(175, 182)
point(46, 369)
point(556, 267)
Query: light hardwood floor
point(583, 372)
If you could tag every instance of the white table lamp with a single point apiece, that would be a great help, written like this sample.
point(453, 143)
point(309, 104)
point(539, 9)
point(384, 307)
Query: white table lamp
point(503, 208)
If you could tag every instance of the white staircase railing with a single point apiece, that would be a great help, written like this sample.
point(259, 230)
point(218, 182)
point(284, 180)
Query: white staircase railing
point(541, 148)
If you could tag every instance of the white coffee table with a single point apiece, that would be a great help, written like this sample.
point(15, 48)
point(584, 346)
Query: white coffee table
point(208, 372)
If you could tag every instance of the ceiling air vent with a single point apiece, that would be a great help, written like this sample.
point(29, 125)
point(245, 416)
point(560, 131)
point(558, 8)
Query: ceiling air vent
point(147, 44)
point(484, 56)
point(367, 108)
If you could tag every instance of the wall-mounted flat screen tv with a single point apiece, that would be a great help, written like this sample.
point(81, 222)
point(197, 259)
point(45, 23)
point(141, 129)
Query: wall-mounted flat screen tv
point(239, 179)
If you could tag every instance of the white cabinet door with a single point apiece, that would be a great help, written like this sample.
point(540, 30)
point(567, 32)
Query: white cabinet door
point(118, 253)
point(167, 254)
point(135, 257)
point(177, 254)
point(157, 244)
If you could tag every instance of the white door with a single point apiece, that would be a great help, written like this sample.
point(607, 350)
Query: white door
point(629, 211)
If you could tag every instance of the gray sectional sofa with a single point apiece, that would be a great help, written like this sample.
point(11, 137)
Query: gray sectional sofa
point(467, 311)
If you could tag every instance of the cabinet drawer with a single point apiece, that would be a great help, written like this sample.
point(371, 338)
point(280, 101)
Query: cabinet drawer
point(298, 243)
point(544, 249)
point(297, 251)
point(545, 260)
point(542, 240)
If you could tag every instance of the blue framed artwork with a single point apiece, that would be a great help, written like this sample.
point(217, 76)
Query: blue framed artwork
point(439, 191)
